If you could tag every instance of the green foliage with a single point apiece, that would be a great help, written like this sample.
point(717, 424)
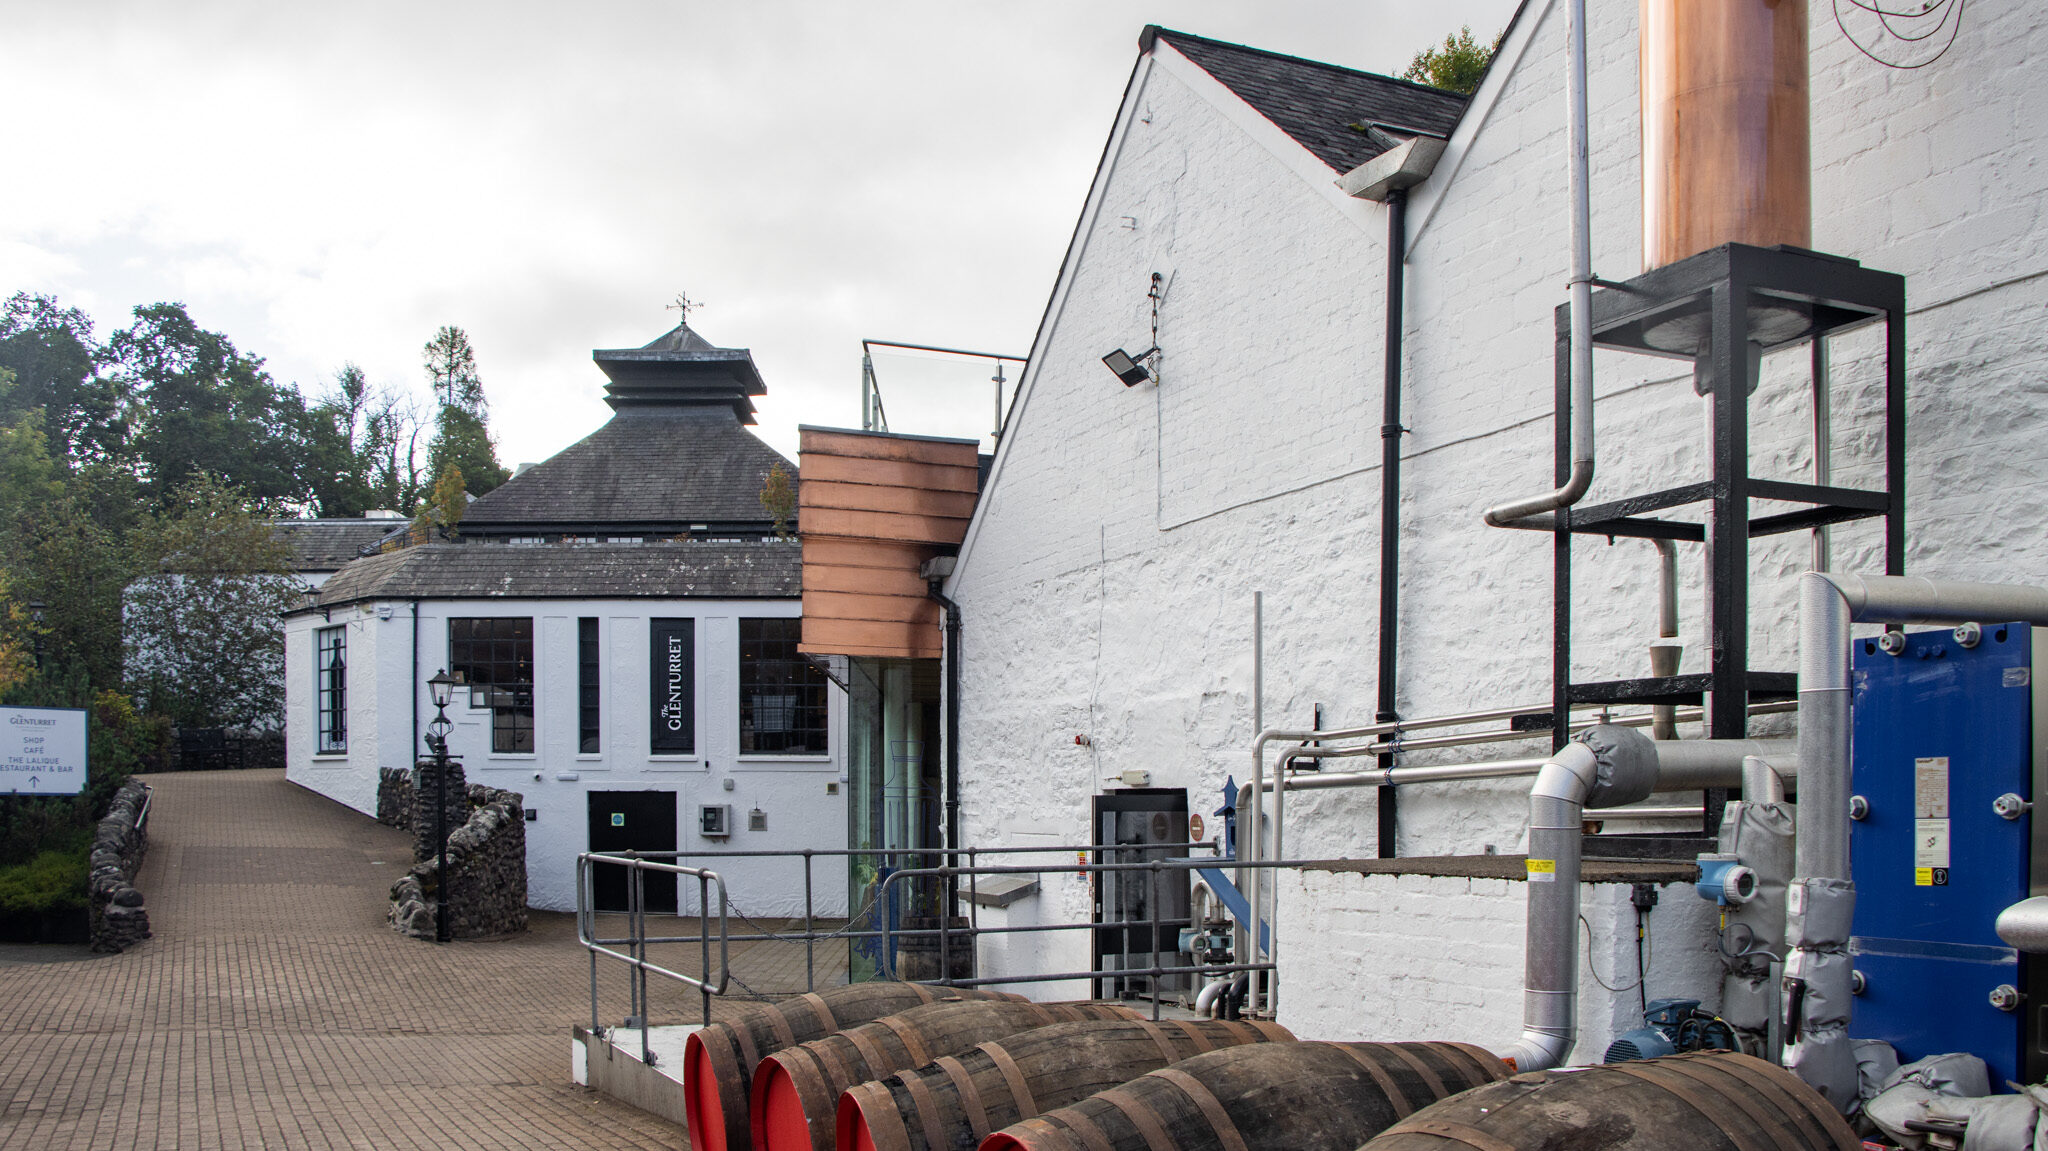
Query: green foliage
point(463, 443)
point(778, 496)
point(462, 437)
point(60, 542)
point(50, 881)
point(444, 510)
point(205, 641)
point(1458, 66)
point(207, 407)
point(55, 365)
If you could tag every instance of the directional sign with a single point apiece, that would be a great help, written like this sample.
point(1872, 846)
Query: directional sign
point(42, 750)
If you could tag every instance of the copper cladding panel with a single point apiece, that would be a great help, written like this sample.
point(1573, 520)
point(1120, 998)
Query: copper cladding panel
point(1726, 128)
point(872, 510)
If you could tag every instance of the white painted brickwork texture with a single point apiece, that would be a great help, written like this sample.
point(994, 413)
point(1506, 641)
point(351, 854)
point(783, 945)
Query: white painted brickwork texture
point(791, 791)
point(1108, 583)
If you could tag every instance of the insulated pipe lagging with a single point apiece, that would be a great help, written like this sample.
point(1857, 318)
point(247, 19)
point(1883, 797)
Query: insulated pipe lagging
point(1550, 991)
point(1581, 477)
point(1601, 767)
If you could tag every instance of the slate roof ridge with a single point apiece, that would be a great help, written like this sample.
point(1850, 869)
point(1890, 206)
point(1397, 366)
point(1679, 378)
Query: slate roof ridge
point(1172, 35)
point(1315, 103)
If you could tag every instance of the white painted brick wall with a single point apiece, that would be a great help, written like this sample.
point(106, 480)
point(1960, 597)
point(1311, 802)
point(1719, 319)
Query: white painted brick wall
point(1108, 586)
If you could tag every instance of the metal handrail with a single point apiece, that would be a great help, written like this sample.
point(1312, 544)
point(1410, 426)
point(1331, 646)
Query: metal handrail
point(1155, 867)
point(638, 866)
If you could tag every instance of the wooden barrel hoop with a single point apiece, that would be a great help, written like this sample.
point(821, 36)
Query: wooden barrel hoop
point(970, 1099)
point(1470, 1136)
point(1823, 1124)
point(1020, 1092)
point(1739, 1100)
point(913, 1047)
point(927, 1110)
point(877, 1063)
point(1141, 1117)
point(1421, 1069)
point(1396, 1097)
point(1211, 1107)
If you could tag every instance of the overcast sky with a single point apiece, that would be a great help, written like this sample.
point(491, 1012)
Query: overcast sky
point(326, 183)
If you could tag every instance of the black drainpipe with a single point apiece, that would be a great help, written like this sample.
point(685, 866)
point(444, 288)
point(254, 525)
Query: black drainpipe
point(1390, 504)
point(952, 741)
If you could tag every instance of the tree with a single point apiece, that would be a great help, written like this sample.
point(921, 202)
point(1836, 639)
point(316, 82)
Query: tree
point(462, 437)
point(60, 536)
point(451, 367)
point(56, 371)
point(778, 496)
point(1458, 66)
point(210, 408)
point(444, 510)
point(205, 637)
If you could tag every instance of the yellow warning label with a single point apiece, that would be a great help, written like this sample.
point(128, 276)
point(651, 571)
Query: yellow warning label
point(1543, 871)
point(1923, 877)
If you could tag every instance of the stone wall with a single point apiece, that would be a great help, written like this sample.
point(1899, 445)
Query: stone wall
point(396, 799)
point(119, 920)
point(486, 890)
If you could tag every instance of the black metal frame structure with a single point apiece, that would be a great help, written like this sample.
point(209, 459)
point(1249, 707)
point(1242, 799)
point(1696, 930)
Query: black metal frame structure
point(1710, 308)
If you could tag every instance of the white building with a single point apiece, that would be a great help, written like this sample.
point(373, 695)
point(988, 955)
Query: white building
point(625, 618)
point(1107, 580)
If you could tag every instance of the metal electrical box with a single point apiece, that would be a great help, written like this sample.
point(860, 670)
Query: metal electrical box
point(1948, 756)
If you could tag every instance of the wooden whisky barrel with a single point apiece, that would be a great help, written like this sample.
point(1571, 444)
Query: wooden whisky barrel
point(1272, 1097)
point(719, 1061)
point(960, 1100)
point(796, 1090)
point(1717, 1101)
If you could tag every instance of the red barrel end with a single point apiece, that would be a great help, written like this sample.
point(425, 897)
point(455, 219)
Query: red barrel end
point(1002, 1141)
point(852, 1130)
point(700, 1098)
point(780, 1123)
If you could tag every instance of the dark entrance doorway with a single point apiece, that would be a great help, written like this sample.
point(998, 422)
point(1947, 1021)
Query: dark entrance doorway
point(1139, 825)
point(632, 821)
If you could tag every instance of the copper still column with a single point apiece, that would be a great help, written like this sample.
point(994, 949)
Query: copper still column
point(1725, 126)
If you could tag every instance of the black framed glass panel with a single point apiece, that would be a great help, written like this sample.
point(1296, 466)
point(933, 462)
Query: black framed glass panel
point(330, 688)
point(494, 657)
point(782, 694)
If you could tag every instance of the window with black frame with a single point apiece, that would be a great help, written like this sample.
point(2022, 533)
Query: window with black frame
point(588, 733)
point(493, 657)
point(330, 688)
point(782, 694)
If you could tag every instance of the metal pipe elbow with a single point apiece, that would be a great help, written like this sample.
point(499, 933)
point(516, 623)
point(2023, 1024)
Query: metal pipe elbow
point(1537, 1050)
point(1511, 513)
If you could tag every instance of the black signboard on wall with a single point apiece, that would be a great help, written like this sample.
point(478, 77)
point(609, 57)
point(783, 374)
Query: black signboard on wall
point(672, 686)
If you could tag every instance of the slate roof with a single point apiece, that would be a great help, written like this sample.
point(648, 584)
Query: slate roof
point(674, 454)
point(771, 569)
point(649, 469)
point(1315, 103)
point(325, 545)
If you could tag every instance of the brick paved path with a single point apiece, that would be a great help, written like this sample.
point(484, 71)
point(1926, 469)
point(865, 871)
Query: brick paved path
point(274, 1008)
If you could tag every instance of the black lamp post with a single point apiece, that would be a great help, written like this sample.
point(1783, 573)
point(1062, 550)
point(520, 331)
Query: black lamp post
point(442, 687)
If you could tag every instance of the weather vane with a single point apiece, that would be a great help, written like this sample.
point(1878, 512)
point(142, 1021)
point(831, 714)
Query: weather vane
point(683, 304)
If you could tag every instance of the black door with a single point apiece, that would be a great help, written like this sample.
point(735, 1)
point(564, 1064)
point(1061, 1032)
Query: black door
point(632, 821)
point(1139, 825)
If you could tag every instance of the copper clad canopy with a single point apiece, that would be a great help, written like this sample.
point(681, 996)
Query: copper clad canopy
point(1725, 126)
